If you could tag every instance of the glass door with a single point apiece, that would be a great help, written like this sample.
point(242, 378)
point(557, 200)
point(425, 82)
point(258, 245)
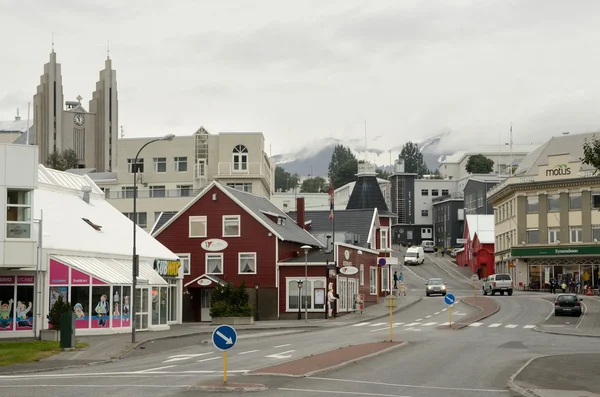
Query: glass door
point(343, 293)
point(141, 308)
point(352, 290)
point(205, 295)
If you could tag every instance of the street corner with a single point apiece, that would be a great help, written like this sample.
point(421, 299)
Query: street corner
point(333, 359)
point(215, 386)
point(485, 308)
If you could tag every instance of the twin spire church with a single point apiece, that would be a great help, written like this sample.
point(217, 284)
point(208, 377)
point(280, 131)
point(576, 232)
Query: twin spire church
point(92, 133)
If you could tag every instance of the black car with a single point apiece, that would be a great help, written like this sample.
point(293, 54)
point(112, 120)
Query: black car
point(567, 304)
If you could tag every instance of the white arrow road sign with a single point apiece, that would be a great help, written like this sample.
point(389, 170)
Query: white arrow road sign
point(281, 355)
point(182, 357)
point(227, 340)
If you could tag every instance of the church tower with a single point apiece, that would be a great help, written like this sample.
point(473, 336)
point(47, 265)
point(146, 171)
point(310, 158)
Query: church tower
point(48, 111)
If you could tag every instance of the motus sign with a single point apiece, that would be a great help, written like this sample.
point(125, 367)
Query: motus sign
point(557, 170)
point(167, 268)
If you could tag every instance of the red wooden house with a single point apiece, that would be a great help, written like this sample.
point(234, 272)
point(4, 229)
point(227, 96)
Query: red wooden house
point(227, 235)
point(478, 251)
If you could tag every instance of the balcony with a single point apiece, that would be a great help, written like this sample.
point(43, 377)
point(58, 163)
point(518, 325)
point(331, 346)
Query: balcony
point(146, 193)
point(249, 169)
point(451, 196)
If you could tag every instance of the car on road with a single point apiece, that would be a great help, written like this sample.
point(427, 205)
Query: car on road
point(428, 245)
point(567, 304)
point(414, 256)
point(435, 286)
point(501, 283)
point(456, 251)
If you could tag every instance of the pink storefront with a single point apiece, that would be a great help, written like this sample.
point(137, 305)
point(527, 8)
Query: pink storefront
point(17, 298)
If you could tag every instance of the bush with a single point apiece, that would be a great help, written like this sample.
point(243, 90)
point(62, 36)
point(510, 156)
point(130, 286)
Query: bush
point(59, 307)
point(229, 301)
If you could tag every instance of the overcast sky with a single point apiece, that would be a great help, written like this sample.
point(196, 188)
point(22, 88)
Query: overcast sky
point(311, 69)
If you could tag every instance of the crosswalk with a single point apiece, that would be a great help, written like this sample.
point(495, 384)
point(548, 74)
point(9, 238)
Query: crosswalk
point(419, 324)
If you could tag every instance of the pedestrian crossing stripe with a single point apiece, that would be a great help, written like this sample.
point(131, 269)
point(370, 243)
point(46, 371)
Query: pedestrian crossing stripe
point(384, 326)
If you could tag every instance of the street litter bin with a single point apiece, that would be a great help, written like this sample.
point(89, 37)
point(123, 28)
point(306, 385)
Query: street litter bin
point(67, 330)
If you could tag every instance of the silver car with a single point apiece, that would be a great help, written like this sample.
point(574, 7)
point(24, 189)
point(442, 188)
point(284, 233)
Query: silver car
point(435, 286)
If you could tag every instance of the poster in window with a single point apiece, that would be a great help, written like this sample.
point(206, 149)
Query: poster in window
point(319, 296)
point(80, 299)
point(125, 319)
point(23, 308)
point(55, 292)
point(102, 309)
point(116, 308)
point(7, 294)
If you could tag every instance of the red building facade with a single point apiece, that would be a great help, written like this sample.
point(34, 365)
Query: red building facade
point(478, 253)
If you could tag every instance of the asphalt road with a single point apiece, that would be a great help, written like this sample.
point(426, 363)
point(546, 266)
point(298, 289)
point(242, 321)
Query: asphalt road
point(438, 361)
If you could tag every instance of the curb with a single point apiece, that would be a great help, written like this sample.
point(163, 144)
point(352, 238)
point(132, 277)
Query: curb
point(512, 386)
point(32, 371)
point(336, 366)
point(231, 387)
point(565, 333)
point(484, 316)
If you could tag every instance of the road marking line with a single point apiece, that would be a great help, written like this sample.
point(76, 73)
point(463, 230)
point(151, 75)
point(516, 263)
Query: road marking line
point(446, 323)
point(155, 369)
point(583, 312)
point(208, 359)
point(100, 386)
point(377, 325)
point(428, 324)
point(529, 326)
point(182, 357)
point(396, 324)
point(444, 309)
point(419, 319)
point(436, 313)
point(475, 324)
point(277, 347)
point(249, 351)
point(281, 355)
point(401, 385)
point(496, 325)
point(238, 371)
point(353, 393)
point(427, 316)
point(360, 324)
point(511, 326)
point(412, 324)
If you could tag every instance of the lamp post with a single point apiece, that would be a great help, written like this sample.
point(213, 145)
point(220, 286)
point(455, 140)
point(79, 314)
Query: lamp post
point(299, 300)
point(256, 312)
point(355, 293)
point(306, 248)
point(135, 261)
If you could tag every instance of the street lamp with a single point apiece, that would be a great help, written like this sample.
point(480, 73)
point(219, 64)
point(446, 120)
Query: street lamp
point(135, 260)
point(299, 300)
point(306, 248)
point(256, 289)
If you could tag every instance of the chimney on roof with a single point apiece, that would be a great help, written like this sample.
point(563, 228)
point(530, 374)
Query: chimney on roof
point(300, 214)
point(86, 193)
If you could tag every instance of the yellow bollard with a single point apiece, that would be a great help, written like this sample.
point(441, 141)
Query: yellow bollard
point(225, 367)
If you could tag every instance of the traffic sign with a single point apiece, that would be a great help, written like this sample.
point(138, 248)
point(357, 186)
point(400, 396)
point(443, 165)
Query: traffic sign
point(382, 262)
point(391, 301)
point(449, 299)
point(474, 254)
point(474, 277)
point(224, 337)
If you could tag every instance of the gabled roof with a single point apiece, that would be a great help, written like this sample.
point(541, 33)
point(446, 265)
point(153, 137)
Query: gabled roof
point(479, 224)
point(486, 236)
point(255, 206)
point(366, 194)
point(211, 277)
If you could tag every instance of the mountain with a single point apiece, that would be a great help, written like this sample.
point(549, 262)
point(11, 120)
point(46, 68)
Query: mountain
point(314, 159)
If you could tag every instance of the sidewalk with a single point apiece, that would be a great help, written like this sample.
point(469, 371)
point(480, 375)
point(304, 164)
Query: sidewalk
point(569, 375)
point(106, 348)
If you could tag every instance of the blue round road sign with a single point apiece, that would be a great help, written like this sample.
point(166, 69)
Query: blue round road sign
point(449, 299)
point(382, 262)
point(224, 337)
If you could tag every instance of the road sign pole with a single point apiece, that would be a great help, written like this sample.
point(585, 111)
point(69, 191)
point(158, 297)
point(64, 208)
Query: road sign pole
point(450, 315)
point(225, 367)
point(391, 316)
point(474, 288)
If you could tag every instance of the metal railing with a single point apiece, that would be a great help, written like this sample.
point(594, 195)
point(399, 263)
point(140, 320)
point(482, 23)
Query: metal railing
point(249, 168)
point(451, 196)
point(147, 193)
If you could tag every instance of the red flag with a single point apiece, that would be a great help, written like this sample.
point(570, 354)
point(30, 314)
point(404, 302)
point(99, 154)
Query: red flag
point(331, 195)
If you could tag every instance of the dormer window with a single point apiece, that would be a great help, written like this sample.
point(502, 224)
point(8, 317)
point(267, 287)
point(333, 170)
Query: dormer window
point(240, 158)
point(281, 221)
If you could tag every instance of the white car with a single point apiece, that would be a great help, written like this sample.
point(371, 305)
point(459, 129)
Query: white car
point(414, 256)
point(498, 283)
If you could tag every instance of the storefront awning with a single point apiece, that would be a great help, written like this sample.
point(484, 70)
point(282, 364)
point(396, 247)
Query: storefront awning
point(112, 271)
point(209, 279)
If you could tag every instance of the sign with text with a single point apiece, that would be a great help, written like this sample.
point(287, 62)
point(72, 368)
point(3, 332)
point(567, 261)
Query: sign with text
point(559, 170)
point(167, 268)
point(214, 244)
point(348, 270)
point(552, 251)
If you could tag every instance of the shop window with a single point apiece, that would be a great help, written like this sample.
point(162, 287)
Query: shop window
point(576, 234)
point(7, 304)
point(373, 280)
point(125, 306)
point(247, 262)
point(18, 213)
point(101, 307)
point(24, 308)
point(553, 202)
point(55, 292)
point(535, 277)
point(533, 236)
point(214, 264)
point(197, 226)
point(117, 307)
point(80, 299)
point(231, 226)
point(306, 294)
point(173, 296)
point(553, 235)
point(293, 294)
point(574, 201)
point(185, 263)
point(159, 305)
point(532, 204)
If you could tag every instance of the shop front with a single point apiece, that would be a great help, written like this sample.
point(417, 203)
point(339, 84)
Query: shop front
point(166, 301)
point(17, 299)
point(575, 267)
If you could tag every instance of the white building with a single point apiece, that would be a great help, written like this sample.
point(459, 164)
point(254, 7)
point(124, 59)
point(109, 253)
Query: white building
point(425, 191)
point(82, 252)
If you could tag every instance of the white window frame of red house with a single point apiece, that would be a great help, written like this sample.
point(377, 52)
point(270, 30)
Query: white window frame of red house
point(386, 287)
point(362, 274)
point(198, 219)
point(183, 258)
point(231, 218)
point(213, 255)
point(373, 270)
point(312, 292)
point(383, 238)
point(247, 254)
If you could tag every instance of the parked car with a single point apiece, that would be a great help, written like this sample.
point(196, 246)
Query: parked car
point(414, 256)
point(498, 283)
point(567, 304)
point(428, 245)
point(435, 286)
point(455, 251)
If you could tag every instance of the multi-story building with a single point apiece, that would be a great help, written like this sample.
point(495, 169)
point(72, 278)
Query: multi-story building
point(91, 134)
point(171, 173)
point(448, 219)
point(13, 130)
point(547, 218)
point(475, 194)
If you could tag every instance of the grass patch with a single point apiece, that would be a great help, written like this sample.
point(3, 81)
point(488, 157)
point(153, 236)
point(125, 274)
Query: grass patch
point(30, 351)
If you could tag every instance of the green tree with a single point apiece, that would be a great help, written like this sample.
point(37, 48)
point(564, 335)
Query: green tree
point(229, 301)
point(314, 185)
point(285, 181)
point(343, 166)
point(591, 153)
point(479, 164)
point(65, 160)
point(413, 159)
point(58, 308)
point(436, 175)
